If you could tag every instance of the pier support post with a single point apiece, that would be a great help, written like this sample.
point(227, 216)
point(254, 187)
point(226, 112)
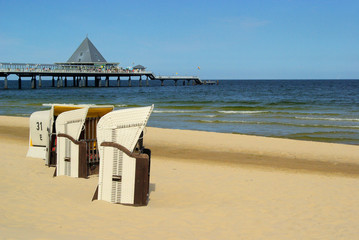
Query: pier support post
point(118, 81)
point(129, 81)
point(81, 82)
point(58, 82)
point(107, 81)
point(53, 81)
point(217, 82)
point(5, 82)
point(33, 82)
point(99, 81)
point(147, 84)
point(188, 82)
point(65, 81)
point(40, 81)
point(86, 81)
point(19, 82)
point(175, 82)
point(184, 83)
point(162, 83)
point(140, 81)
point(73, 81)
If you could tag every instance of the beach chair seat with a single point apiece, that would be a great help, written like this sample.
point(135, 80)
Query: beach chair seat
point(124, 173)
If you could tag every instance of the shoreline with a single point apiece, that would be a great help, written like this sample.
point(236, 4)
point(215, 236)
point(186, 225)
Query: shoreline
point(235, 133)
point(231, 149)
point(203, 186)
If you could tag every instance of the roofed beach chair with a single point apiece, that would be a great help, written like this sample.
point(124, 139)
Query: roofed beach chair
point(71, 153)
point(76, 149)
point(124, 163)
point(43, 138)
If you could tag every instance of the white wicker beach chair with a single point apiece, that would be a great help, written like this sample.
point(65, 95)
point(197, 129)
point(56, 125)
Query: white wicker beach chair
point(39, 135)
point(68, 127)
point(124, 175)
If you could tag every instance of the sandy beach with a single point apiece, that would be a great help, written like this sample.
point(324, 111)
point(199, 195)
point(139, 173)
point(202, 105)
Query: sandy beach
point(203, 186)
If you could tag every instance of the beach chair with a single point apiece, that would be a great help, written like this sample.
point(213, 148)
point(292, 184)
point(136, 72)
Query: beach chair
point(43, 138)
point(71, 153)
point(39, 136)
point(124, 168)
point(76, 147)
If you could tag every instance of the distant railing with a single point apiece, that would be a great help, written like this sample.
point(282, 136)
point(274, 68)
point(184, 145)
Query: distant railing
point(70, 71)
point(174, 77)
point(43, 68)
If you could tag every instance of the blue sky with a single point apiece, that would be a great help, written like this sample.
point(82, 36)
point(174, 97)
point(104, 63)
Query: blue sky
point(274, 39)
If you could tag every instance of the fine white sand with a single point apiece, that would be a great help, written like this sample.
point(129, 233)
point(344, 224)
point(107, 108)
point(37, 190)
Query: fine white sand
point(203, 186)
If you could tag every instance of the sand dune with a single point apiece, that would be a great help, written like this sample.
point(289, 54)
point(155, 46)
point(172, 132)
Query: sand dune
point(203, 186)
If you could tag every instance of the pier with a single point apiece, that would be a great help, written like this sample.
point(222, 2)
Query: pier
point(79, 75)
point(84, 64)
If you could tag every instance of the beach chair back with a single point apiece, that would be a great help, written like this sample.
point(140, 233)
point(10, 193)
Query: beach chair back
point(39, 134)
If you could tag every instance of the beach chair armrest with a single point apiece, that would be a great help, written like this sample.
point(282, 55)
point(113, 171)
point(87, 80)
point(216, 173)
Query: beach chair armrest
point(70, 138)
point(125, 150)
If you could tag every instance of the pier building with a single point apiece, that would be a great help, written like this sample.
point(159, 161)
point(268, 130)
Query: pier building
point(84, 64)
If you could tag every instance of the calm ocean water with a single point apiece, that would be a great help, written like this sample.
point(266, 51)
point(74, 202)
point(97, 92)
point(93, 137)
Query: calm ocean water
point(317, 110)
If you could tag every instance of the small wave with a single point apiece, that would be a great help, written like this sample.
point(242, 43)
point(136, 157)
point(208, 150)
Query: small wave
point(121, 105)
point(174, 111)
point(242, 108)
point(134, 105)
point(50, 104)
point(304, 113)
point(329, 119)
point(216, 121)
point(185, 102)
point(241, 102)
point(242, 112)
point(284, 102)
point(275, 123)
point(183, 107)
point(210, 116)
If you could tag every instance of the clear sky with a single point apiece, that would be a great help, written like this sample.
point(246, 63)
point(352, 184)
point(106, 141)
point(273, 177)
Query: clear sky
point(273, 39)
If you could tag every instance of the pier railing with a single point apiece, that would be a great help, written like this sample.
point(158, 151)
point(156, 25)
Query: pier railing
point(54, 68)
point(83, 71)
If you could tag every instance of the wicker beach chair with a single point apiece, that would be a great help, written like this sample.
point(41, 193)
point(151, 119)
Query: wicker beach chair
point(124, 163)
point(71, 153)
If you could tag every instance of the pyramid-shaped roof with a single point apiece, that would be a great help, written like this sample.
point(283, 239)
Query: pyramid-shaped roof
point(139, 67)
point(86, 53)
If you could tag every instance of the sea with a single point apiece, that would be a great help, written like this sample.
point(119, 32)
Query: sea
point(314, 110)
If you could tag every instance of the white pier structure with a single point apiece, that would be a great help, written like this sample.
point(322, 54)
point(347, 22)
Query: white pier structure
point(86, 62)
point(62, 75)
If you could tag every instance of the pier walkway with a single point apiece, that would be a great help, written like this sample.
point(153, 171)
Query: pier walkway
point(80, 74)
